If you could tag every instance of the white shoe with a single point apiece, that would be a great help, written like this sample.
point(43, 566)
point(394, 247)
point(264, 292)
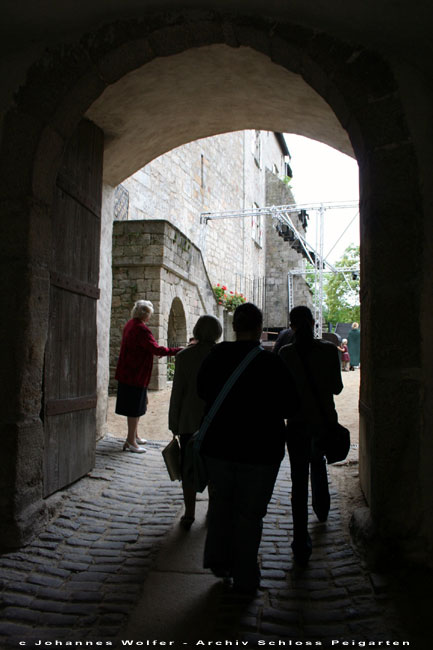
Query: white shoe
point(137, 450)
point(140, 441)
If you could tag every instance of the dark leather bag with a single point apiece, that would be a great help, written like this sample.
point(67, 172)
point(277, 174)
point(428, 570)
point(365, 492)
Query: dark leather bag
point(336, 443)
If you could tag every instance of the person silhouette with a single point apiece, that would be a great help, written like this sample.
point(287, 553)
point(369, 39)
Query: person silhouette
point(186, 407)
point(315, 368)
point(243, 447)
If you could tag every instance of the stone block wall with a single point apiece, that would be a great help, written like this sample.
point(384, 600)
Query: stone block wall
point(153, 260)
point(232, 171)
point(222, 173)
point(280, 258)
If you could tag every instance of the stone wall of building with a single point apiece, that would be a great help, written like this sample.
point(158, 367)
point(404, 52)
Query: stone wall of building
point(153, 259)
point(164, 252)
point(223, 173)
point(280, 259)
point(230, 172)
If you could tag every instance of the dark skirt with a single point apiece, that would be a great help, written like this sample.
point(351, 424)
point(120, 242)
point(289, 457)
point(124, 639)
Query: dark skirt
point(131, 400)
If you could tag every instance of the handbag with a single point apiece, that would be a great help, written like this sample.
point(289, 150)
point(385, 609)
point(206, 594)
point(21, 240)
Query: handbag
point(171, 456)
point(194, 464)
point(334, 442)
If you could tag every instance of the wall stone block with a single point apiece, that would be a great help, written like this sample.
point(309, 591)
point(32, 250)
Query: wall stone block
point(161, 285)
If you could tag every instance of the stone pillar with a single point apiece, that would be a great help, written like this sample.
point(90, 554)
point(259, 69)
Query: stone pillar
point(228, 333)
point(104, 309)
point(153, 260)
point(25, 247)
point(391, 424)
point(136, 276)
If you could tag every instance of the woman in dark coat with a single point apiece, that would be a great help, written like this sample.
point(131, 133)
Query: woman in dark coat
point(354, 345)
point(134, 369)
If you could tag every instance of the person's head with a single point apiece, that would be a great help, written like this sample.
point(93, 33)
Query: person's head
point(344, 341)
point(301, 318)
point(302, 323)
point(248, 321)
point(355, 326)
point(142, 309)
point(207, 329)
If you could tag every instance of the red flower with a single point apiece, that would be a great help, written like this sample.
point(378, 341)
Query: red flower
point(218, 285)
point(224, 288)
point(231, 292)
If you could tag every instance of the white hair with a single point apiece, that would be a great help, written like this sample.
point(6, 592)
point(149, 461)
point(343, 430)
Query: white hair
point(141, 309)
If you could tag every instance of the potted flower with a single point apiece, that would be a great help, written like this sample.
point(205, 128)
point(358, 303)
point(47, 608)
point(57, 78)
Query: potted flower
point(228, 299)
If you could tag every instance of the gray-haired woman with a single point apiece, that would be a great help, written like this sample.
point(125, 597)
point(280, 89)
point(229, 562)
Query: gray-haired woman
point(134, 369)
point(186, 407)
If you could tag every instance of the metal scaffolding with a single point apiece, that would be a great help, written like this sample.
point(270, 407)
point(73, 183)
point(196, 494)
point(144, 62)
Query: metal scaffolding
point(282, 214)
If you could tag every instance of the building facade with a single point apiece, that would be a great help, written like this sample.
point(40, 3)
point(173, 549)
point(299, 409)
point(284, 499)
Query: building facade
point(164, 251)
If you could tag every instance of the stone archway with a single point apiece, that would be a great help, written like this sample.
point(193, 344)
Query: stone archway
point(176, 328)
point(363, 95)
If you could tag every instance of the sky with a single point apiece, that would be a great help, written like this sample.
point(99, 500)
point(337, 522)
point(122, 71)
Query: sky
point(322, 175)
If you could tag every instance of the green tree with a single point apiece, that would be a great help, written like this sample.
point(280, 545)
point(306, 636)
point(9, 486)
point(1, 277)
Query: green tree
point(341, 290)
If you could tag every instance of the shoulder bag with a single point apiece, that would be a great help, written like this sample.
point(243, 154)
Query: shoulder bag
point(171, 456)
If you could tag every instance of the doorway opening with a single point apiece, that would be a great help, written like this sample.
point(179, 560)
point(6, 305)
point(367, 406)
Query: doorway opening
point(318, 86)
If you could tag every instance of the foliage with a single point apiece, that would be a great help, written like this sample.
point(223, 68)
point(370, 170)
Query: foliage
point(228, 299)
point(340, 290)
point(170, 370)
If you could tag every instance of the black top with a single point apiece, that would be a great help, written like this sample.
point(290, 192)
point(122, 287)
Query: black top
point(249, 425)
point(317, 374)
point(284, 338)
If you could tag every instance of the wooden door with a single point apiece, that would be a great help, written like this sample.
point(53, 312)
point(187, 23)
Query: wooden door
point(69, 402)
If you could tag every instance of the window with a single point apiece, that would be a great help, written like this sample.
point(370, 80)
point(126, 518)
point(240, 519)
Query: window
point(257, 227)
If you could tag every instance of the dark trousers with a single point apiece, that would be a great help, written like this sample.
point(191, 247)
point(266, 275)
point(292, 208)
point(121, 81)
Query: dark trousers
point(302, 465)
point(240, 496)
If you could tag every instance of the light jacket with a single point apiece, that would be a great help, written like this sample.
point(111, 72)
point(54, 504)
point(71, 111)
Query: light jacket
point(186, 407)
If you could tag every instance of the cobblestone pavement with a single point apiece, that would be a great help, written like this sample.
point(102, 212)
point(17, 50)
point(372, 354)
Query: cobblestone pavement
point(80, 579)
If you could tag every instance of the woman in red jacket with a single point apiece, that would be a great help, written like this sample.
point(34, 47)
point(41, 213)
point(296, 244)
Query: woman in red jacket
point(134, 368)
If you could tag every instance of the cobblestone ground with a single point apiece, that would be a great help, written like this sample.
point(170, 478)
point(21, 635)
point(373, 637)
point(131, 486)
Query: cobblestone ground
point(333, 599)
point(82, 576)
